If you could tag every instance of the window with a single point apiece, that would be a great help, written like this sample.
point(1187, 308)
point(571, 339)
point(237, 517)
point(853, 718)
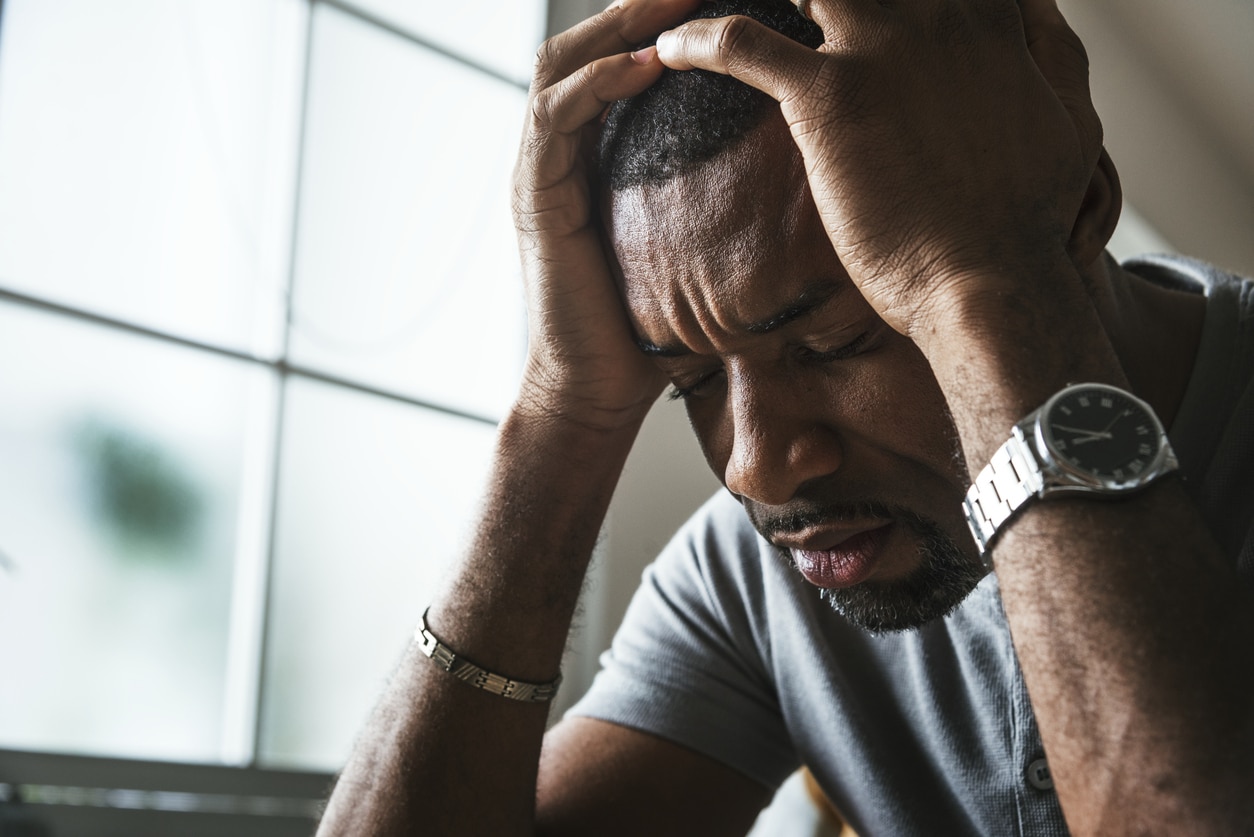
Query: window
point(259, 312)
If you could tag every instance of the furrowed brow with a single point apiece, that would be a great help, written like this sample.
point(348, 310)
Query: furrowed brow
point(813, 297)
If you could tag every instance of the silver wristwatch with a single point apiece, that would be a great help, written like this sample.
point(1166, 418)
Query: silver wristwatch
point(1089, 439)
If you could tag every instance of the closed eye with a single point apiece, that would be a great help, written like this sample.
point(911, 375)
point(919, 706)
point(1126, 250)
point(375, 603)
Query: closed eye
point(844, 352)
point(683, 393)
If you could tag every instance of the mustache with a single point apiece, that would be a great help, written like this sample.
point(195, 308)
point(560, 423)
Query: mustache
point(798, 519)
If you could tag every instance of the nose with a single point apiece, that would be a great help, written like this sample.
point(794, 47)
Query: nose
point(779, 441)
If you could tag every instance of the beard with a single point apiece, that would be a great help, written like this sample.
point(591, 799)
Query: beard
point(944, 577)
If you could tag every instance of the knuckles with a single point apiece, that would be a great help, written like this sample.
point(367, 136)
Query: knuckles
point(549, 56)
point(728, 42)
point(541, 106)
point(556, 57)
point(731, 37)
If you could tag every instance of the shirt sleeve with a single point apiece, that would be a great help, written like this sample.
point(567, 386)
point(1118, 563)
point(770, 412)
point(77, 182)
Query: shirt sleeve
point(689, 661)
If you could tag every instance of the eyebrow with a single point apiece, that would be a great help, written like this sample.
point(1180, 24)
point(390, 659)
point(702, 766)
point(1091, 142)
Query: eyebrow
point(807, 301)
point(811, 298)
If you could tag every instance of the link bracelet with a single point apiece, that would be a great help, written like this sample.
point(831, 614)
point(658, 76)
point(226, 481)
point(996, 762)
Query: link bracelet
point(480, 678)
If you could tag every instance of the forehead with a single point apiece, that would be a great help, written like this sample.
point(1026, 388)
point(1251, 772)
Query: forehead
point(724, 246)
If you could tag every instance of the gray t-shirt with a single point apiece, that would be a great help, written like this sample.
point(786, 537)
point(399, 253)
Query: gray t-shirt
point(729, 652)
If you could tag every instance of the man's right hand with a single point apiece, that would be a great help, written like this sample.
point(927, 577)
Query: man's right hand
point(435, 748)
point(582, 364)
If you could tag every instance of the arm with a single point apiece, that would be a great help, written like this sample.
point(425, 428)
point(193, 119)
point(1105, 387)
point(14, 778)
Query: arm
point(956, 161)
point(600, 778)
point(439, 756)
point(436, 750)
point(1131, 627)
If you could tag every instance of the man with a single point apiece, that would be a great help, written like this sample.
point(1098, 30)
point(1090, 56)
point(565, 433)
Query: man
point(858, 292)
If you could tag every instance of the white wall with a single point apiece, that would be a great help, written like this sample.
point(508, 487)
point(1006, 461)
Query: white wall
point(1174, 84)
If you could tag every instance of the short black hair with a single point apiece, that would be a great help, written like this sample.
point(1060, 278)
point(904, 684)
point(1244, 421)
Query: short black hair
point(688, 118)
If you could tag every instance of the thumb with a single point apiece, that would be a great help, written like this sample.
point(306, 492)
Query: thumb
point(741, 47)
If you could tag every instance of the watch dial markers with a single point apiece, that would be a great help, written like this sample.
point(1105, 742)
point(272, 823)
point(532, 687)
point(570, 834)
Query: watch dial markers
point(1101, 433)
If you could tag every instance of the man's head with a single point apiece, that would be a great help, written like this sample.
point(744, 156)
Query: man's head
point(685, 119)
point(827, 424)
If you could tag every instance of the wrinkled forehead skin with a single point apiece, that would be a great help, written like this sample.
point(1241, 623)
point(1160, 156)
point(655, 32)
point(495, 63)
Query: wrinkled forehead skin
point(722, 230)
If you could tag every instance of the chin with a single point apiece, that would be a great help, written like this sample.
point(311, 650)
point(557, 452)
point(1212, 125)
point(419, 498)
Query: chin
point(944, 577)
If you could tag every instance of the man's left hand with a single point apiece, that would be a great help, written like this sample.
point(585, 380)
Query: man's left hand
point(948, 144)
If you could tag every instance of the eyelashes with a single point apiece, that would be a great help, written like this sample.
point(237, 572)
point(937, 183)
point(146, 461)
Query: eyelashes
point(804, 353)
point(848, 350)
point(678, 393)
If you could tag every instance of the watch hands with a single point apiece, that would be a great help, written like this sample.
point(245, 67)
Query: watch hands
point(1093, 435)
point(1116, 418)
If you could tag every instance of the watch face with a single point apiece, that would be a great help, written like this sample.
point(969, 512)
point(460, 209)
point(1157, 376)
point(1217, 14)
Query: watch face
point(1103, 432)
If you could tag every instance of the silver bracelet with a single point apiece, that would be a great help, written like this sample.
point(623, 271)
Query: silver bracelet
point(464, 670)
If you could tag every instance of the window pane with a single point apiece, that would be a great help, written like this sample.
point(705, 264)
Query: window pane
point(375, 501)
point(120, 516)
point(146, 156)
point(407, 267)
point(501, 34)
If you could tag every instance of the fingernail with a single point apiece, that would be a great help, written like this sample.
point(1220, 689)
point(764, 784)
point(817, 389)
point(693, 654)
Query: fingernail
point(644, 56)
point(664, 39)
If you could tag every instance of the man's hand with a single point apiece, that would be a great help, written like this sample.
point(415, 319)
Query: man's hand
point(436, 748)
point(942, 140)
point(582, 363)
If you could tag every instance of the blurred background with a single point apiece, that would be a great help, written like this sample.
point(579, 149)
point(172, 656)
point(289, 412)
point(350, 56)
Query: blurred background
point(259, 314)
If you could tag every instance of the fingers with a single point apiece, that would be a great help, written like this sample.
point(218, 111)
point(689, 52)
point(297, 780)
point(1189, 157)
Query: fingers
point(831, 14)
point(617, 29)
point(1060, 56)
point(554, 137)
point(579, 72)
point(576, 100)
point(745, 49)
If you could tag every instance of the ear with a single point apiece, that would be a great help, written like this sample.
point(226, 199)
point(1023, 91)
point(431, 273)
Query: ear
point(1099, 213)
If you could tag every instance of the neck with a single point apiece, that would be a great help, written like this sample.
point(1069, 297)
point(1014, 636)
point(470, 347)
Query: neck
point(1155, 332)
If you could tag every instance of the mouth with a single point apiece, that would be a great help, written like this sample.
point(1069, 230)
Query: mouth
point(834, 559)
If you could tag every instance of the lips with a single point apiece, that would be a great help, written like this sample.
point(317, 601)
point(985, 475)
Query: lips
point(847, 561)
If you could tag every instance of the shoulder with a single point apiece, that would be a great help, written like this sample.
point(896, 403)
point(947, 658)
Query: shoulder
point(1211, 432)
point(1188, 274)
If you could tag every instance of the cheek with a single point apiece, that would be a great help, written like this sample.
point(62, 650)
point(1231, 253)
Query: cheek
point(715, 444)
point(904, 410)
point(711, 422)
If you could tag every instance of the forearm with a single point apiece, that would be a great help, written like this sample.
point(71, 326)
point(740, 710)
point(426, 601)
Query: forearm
point(439, 756)
point(1130, 625)
point(1135, 646)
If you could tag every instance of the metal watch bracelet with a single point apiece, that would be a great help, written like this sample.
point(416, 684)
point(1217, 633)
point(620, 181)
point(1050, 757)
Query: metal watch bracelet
point(1036, 462)
point(481, 678)
point(1005, 484)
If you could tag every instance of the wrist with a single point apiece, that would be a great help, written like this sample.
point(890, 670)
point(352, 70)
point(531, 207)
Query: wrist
point(569, 439)
point(598, 408)
point(1000, 345)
